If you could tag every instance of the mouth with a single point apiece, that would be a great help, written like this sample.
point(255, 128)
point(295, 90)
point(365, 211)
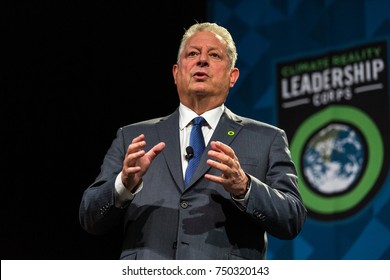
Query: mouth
point(200, 75)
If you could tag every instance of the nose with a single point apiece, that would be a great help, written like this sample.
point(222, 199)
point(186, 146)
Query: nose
point(203, 59)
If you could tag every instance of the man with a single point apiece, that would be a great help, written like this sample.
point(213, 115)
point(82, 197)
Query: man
point(244, 187)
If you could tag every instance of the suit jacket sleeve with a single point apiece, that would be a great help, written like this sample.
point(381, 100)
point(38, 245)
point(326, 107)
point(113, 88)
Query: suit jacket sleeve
point(97, 212)
point(275, 202)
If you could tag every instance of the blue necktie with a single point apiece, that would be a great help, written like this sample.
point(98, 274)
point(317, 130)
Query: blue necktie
point(197, 143)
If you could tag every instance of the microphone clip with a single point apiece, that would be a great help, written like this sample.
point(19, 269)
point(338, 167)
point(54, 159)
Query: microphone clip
point(190, 153)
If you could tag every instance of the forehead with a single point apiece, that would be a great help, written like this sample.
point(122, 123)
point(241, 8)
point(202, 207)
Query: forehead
point(206, 38)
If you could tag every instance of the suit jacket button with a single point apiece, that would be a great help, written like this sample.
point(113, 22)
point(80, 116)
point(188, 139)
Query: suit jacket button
point(174, 245)
point(184, 204)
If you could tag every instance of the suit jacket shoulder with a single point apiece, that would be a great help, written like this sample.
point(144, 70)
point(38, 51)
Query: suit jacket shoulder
point(252, 124)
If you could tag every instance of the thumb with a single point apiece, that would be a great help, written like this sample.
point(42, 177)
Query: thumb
point(156, 150)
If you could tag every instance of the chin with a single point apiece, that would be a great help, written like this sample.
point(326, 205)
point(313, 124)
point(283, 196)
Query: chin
point(200, 90)
point(200, 93)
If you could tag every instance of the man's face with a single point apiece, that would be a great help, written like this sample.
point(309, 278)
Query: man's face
point(203, 71)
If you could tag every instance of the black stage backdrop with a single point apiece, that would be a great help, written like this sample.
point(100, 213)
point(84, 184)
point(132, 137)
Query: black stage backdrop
point(72, 73)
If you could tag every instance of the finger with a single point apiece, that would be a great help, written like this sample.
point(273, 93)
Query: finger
point(225, 149)
point(215, 179)
point(221, 147)
point(218, 165)
point(134, 156)
point(135, 146)
point(157, 149)
point(131, 170)
point(222, 158)
point(139, 138)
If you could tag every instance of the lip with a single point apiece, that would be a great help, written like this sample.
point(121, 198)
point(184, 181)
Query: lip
point(200, 75)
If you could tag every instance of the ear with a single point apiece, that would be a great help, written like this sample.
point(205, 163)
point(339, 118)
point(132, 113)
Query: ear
point(234, 74)
point(174, 71)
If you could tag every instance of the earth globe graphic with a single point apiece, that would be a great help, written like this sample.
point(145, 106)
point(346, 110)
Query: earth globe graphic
point(333, 159)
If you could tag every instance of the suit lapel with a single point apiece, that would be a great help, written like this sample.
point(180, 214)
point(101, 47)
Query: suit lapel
point(168, 131)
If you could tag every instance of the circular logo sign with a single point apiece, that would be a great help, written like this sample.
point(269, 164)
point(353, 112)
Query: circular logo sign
point(339, 154)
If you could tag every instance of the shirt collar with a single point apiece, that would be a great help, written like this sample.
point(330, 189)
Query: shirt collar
point(211, 117)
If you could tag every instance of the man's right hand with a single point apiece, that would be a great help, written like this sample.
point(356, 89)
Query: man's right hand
point(137, 161)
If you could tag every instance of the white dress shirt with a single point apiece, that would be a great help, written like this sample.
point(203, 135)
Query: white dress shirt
point(185, 125)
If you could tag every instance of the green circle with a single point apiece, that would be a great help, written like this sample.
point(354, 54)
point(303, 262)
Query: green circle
point(230, 133)
point(346, 201)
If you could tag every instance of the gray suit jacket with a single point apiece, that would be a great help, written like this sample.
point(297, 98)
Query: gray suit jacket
point(166, 221)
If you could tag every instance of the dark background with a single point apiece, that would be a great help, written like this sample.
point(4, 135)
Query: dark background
point(72, 73)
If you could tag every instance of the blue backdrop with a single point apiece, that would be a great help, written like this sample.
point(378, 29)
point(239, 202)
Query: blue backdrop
point(268, 33)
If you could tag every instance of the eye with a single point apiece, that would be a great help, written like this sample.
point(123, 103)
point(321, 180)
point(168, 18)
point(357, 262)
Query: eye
point(192, 54)
point(215, 55)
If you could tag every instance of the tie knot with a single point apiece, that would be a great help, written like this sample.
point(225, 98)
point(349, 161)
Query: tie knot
point(198, 121)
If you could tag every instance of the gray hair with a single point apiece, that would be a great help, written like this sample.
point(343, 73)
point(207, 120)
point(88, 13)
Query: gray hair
point(216, 29)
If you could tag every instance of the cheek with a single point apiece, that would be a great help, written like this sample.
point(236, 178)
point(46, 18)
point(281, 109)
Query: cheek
point(225, 80)
point(183, 75)
point(182, 80)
